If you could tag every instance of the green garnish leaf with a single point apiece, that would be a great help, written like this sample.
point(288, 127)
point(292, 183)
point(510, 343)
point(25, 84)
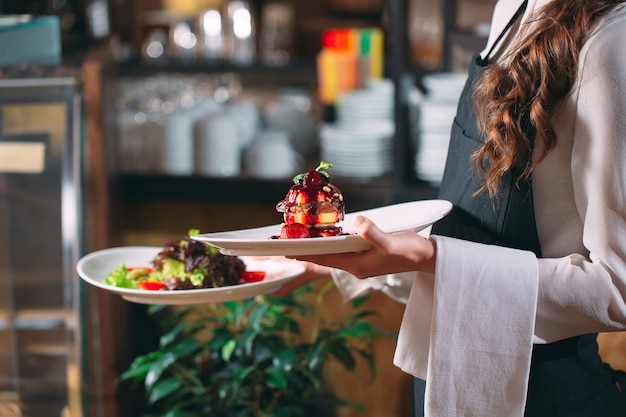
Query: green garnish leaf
point(323, 165)
point(299, 178)
point(320, 168)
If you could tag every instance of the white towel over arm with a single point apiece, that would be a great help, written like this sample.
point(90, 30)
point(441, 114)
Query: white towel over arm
point(474, 355)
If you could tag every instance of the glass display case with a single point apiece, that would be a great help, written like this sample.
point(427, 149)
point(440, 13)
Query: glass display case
point(40, 242)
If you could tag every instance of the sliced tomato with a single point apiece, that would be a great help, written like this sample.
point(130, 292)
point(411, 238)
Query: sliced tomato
point(151, 285)
point(253, 276)
point(146, 268)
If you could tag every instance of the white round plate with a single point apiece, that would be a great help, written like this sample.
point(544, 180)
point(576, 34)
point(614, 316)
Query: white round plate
point(416, 216)
point(96, 266)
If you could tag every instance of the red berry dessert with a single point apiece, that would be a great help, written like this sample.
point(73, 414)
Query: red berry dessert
point(312, 206)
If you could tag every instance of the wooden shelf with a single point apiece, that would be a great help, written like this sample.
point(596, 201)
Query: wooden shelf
point(302, 73)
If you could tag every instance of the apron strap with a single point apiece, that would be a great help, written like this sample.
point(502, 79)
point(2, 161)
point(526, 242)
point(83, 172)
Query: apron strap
point(514, 18)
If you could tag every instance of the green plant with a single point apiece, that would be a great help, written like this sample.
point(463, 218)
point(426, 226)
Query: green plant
point(251, 358)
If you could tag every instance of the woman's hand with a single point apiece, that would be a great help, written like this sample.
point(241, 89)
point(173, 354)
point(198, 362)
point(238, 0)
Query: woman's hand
point(391, 253)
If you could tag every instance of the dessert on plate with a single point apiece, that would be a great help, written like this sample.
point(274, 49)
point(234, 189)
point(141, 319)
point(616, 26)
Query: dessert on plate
point(312, 207)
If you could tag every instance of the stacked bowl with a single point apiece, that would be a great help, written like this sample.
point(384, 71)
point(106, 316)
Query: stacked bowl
point(433, 123)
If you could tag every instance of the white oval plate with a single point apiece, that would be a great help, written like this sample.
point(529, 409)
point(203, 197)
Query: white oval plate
point(96, 266)
point(415, 216)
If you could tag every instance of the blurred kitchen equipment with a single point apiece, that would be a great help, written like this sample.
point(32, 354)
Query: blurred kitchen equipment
point(293, 112)
point(226, 87)
point(99, 18)
point(154, 47)
point(155, 32)
point(217, 147)
point(426, 31)
point(210, 35)
point(272, 156)
point(239, 33)
point(178, 146)
point(277, 28)
point(29, 39)
point(183, 41)
point(247, 120)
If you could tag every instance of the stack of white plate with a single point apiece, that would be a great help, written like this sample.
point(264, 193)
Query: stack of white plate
point(358, 150)
point(434, 121)
point(359, 143)
point(372, 103)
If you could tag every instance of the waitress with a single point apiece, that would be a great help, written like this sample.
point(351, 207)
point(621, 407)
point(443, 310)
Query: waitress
point(514, 284)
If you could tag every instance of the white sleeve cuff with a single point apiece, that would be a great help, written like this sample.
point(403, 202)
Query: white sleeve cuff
point(396, 286)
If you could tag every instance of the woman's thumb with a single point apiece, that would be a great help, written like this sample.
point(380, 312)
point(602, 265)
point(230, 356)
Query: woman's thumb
point(370, 232)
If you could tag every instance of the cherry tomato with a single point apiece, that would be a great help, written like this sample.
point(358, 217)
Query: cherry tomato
point(151, 285)
point(253, 276)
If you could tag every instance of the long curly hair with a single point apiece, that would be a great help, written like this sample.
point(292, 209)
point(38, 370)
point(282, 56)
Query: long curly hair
point(515, 102)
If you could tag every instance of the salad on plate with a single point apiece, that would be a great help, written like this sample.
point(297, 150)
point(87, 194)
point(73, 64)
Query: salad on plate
point(184, 264)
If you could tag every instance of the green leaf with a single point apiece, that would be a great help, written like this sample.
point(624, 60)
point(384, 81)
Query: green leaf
point(313, 378)
point(276, 378)
point(371, 362)
point(242, 309)
point(178, 413)
point(266, 346)
point(185, 348)
point(137, 370)
point(285, 359)
point(362, 315)
point(316, 356)
point(257, 314)
point(243, 372)
point(359, 329)
point(358, 302)
point(220, 338)
point(342, 353)
point(299, 178)
point(231, 306)
point(246, 341)
point(289, 411)
point(163, 388)
point(170, 336)
point(324, 165)
point(157, 368)
point(228, 349)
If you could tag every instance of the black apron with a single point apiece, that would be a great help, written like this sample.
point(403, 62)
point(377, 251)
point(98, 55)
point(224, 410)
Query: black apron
point(567, 378)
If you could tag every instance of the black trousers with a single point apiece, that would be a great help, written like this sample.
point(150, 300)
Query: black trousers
point(567, 379)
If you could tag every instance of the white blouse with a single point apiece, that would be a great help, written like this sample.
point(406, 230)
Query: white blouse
point(469, 332)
